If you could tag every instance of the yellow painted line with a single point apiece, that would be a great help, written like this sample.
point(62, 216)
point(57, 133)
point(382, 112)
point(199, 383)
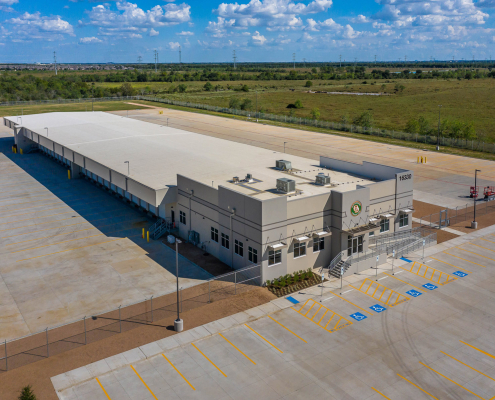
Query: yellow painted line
point(53, 244)
point(235, 347)
point(486, 248)
point(45, 216)
point(474, 369)
point(407, 283)
point(283, 326)
point(325, 313)
point(183, 377)
point(275, 347)
point(42, 230)
point(380, 393)
point(48, 237)
point(452, 265)
point(333, 315)
point(75, 248)
point(362, 309)
point(144, 383)
point(102, 388)
point(303, 305)
point(481, 351)
point(472, 262)
point(314, 302)
point(454, 382)
point(366, 294)
point(424, 391)
point(40, 223)
point(472, 252)
point(486, 240)
point(212, 363)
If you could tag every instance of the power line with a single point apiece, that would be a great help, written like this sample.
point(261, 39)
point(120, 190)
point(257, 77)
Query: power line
point(55, 61)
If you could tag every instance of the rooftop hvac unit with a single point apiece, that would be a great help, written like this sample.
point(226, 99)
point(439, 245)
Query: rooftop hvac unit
point(235, 179)
point(286, 185)
point(283, 164)
point(249, 177)
point(322, 179)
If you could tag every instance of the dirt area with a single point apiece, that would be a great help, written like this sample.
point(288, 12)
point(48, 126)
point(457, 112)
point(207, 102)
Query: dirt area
point(38, 374)
point(209, 263)
point(484, 220)
point(423, 209)
point(442, 236)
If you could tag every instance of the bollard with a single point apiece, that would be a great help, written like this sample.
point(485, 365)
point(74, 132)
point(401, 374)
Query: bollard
point(143, 233)
point(21, 151)
point(418, 160)
point(68, 173)
point(148, 236)
point(425, 159)
point(421, 159)
point(85, 337)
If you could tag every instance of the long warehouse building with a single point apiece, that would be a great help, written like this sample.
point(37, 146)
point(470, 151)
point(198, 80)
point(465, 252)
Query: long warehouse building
point(241, 203)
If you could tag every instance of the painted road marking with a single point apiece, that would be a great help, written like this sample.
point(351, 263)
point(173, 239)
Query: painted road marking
point(323, 317)
point(378, 308)
point(486, 248)
point(399, 272)
point(102, 388)
point(378, 291)
point(183, 377)
point(283, 326)
point(474, 369)
point(347, 291)
point(429, 273)
point(292, 300)
point(414, 293)
point(144, 383)
point(407, 283)
point(212, 363)
point(424, 391)
point(455, 383)
point(380, 393)
point(481, 351)
point(358, 316)
point(406, 259)
point(275, 347)
point(472, 262)
point(430, 286)
point(472, 252)
point(382, 278)
point(362, 309)
point(452, 265)
point(237, 348)
point(460, 274)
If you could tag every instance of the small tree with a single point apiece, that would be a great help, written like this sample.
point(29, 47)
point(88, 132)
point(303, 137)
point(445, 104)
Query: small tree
point(314, 70)
point(399, 88)
point(234, 103)
point(182, 88)
point(423, 126)
point(344, 119)
point(308, 84)
point(292, 112)
point(298, 104)
point(127, 90)
point(208, 87)
point(244, 88)
point(315, 113)
point(365, 120)
point(27, 394)
point(247, 104)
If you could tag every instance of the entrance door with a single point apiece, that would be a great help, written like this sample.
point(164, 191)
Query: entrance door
point(354, 245)
point(173, 216)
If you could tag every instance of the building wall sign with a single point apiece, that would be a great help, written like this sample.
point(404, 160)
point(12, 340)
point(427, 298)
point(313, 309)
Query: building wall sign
point(356, 208)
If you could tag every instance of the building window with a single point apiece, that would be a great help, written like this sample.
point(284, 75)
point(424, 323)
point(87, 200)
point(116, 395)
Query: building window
point(225, 241)
point(355, 245)
point(318, 244)
point(299, 249)
point(274, 257)
point(384, 225)
point(372, 233)
point(214, 234)
point(239, 248)
point(403, 220)
point(182, 217)
point(253, 255)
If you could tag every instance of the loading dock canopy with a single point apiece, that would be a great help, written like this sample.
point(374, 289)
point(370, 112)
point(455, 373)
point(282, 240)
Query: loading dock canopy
point(277, 246)
point(361, 230)
point(322, 234)
point(302, 239)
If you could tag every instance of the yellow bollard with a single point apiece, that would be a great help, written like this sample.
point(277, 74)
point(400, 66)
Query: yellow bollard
point(418, 160)
point(148, 236)
point(68, 173)
point(21, 151)
point(143, 233)
point(161, 112)
point(421, 160)
point(425, 160)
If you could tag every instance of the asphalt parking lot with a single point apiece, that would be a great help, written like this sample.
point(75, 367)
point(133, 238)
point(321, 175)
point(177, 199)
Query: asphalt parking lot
point(424, 330)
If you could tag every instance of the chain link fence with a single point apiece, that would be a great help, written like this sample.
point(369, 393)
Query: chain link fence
point(49, 342)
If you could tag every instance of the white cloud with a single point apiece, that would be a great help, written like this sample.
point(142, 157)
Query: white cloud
point(257, 39)
point(129, 16)
point(328, 24)
point(485, 3)
point(90, 40)
point(219, 28)
point(4, 5)
point(173, 45)
point(185, 33)
point(360, 19)
point(153, 32)
point(35, 26)
point(350, 33)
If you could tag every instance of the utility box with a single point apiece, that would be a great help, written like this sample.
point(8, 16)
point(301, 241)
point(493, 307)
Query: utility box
point(283, 165)
point(286, 185)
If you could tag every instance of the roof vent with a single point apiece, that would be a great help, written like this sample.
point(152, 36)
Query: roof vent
point(322, 179)
point(286, 185)
point(235, 179)
point(249, 178)
point(283, 165)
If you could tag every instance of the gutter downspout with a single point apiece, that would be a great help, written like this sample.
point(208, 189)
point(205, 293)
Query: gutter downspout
point(190, 214)
point(232, 238)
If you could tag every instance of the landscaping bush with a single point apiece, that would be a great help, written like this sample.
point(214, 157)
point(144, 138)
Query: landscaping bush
point(27, 394)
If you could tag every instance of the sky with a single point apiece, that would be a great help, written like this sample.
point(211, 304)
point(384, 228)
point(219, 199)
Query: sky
point(120, 31)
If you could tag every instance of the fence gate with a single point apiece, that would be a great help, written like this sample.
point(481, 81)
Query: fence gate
point(443, 220)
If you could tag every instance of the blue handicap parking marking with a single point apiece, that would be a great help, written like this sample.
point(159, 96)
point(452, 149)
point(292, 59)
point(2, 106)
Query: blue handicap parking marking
point(358, 316)
point(378, 308)
point(406, 259)
point(460, 274)
point(414, 293)
point(430, 286)
point(292, 300)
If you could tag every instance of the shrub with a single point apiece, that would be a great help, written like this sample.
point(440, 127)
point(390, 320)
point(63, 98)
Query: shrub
point(365, 120)
point(182, 88)
point(247, 104)
point(308, 84)
point(208, 87)
point(315, 113)
point(27, 393)
point(234, 103)
point(298, 104)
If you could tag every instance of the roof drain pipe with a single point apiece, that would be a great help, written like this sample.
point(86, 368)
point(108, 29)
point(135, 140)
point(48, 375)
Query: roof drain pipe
point(190, 214)
point(232, 238)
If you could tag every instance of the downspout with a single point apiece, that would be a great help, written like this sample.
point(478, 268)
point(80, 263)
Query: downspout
point(190, 213)
point(232, 239)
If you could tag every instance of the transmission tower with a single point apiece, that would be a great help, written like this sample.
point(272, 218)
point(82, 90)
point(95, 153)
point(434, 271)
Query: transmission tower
point(140, 59)
point(235, 59)
point(55, 61)
point(405, 59)
point(156, 61)
point(180, 55)
point(304, 61)
point(294, 60)
point(340, 58)
point(375, 58)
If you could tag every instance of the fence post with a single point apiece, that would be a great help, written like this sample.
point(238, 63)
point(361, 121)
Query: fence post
point(120, 321)
point(85, 337)
point(47, 350)
point(235, 282)
point(6, 357)
point(208, 291)
point(180, 296)
point(151, 308)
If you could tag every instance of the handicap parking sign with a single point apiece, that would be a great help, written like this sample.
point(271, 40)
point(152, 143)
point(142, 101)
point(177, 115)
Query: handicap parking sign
point(460, 274)
point(414, 293)
point(430, 286)
point(378, 308)
point(358, 316)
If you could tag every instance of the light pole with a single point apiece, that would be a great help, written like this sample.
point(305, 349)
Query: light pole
point(438, 136)
point(178, 323)
point(128, 168)
point(284, 146)
point(46, 132)
point(474, 224)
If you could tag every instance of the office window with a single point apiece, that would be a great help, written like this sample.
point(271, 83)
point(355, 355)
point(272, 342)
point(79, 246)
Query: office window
point(299, 249)
point(182, 217)
point(239, 248)
point(252, 255)
point(318, 244)
point(214, 234)
point(274, 257)
point(403, 220)
point(225, 241)
point(384, 225)
point(372, 233)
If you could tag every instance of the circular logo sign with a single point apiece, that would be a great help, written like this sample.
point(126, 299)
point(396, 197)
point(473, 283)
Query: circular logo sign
point(356, 208)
